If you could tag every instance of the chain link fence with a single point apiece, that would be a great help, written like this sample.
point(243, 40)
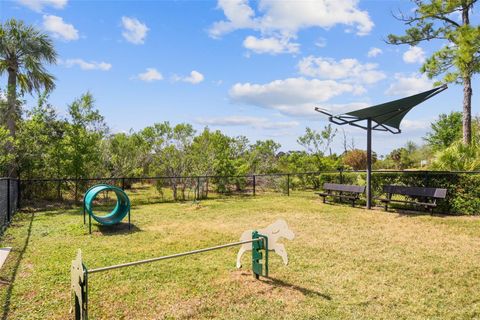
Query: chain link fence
point(463, 188)
point(9, 197)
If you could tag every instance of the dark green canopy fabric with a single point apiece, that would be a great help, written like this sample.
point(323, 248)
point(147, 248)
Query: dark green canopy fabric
point(386, 116)
point(392, 113)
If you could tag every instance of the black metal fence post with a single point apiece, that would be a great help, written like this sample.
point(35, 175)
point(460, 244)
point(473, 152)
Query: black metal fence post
point(76, 190)
point(123, 183)
point(206, 187)
point(254, 185)
point(426, 179)
point(8, 200)
point(59, 186)
point(19, 190)
point(198, 188)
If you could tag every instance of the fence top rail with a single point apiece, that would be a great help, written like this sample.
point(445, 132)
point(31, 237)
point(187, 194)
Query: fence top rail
point(177, 255)
point(241, 176)
point(11, 179)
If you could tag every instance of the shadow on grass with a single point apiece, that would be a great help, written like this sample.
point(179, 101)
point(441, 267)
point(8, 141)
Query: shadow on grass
point(414, 213)
point(11, 281)
point(304, 291)
point(400, 210)
point(116, 229)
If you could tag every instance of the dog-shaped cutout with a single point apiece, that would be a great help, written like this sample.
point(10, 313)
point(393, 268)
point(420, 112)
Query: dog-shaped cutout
point(277, 230)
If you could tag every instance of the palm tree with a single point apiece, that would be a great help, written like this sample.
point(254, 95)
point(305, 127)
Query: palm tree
point(23, 52)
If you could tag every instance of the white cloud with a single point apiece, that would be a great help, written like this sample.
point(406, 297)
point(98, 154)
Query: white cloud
point(409, 84)
point(270, 45)
point(373, 52)
point(239, 16)
point(38, 5)
point(84, 65)
point(288, 17)
point(134, 31)
point(254, 122)
point(349, 70)
point(195, 77)
point(59, 29)
point(151, 74)
point(343, 108)
point(414, 55)
point(293, 96)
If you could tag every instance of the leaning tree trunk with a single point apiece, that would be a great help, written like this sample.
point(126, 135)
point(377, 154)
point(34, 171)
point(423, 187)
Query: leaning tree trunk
point(11, 116)
point(467, 110)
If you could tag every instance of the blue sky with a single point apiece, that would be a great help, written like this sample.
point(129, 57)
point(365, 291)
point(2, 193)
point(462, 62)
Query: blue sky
point(253, 68)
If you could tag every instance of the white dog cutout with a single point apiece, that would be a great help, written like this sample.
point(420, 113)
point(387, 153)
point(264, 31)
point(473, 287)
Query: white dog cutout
point(277, 230)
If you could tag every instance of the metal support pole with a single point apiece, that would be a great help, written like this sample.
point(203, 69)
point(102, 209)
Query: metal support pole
point(369, 163)
point(129, 224)
point(254, 185)
point(123, 183)
point(89, 224)
point(288, 184)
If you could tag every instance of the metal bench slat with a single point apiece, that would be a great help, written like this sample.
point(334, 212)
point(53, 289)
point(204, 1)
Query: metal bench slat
point(439, 193)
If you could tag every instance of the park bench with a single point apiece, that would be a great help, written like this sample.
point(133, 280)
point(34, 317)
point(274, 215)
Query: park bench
point(342, 191)
point(417, 196)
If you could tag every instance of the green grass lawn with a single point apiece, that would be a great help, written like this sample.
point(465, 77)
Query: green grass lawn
point(344, 263)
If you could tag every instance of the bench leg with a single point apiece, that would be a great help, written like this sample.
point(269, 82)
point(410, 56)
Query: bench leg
point(386, 206)
point(353, 203)
point(323, 198)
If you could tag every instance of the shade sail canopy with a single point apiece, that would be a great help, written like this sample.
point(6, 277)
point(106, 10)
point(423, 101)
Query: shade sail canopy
point(382, 117)
point(386, 116)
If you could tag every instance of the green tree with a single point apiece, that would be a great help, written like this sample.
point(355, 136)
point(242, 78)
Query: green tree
point(125, 155)
point(83, 135)
point(457, 61)
point(204, 152)
point(41, 149)
point(445, 130)
point(263, 156)
point(459, 156)
point(318, 143)
point(23, 52)
point(5, 157)
point(171, 148)
point(402, 158)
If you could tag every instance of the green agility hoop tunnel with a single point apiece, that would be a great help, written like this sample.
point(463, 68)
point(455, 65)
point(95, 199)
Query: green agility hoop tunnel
point(121, 210)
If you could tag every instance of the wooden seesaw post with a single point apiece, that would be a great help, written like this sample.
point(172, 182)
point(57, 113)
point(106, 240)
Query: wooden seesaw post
point(80, 273)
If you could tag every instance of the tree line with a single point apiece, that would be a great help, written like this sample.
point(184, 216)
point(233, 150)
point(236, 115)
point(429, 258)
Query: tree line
point(80, 145)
